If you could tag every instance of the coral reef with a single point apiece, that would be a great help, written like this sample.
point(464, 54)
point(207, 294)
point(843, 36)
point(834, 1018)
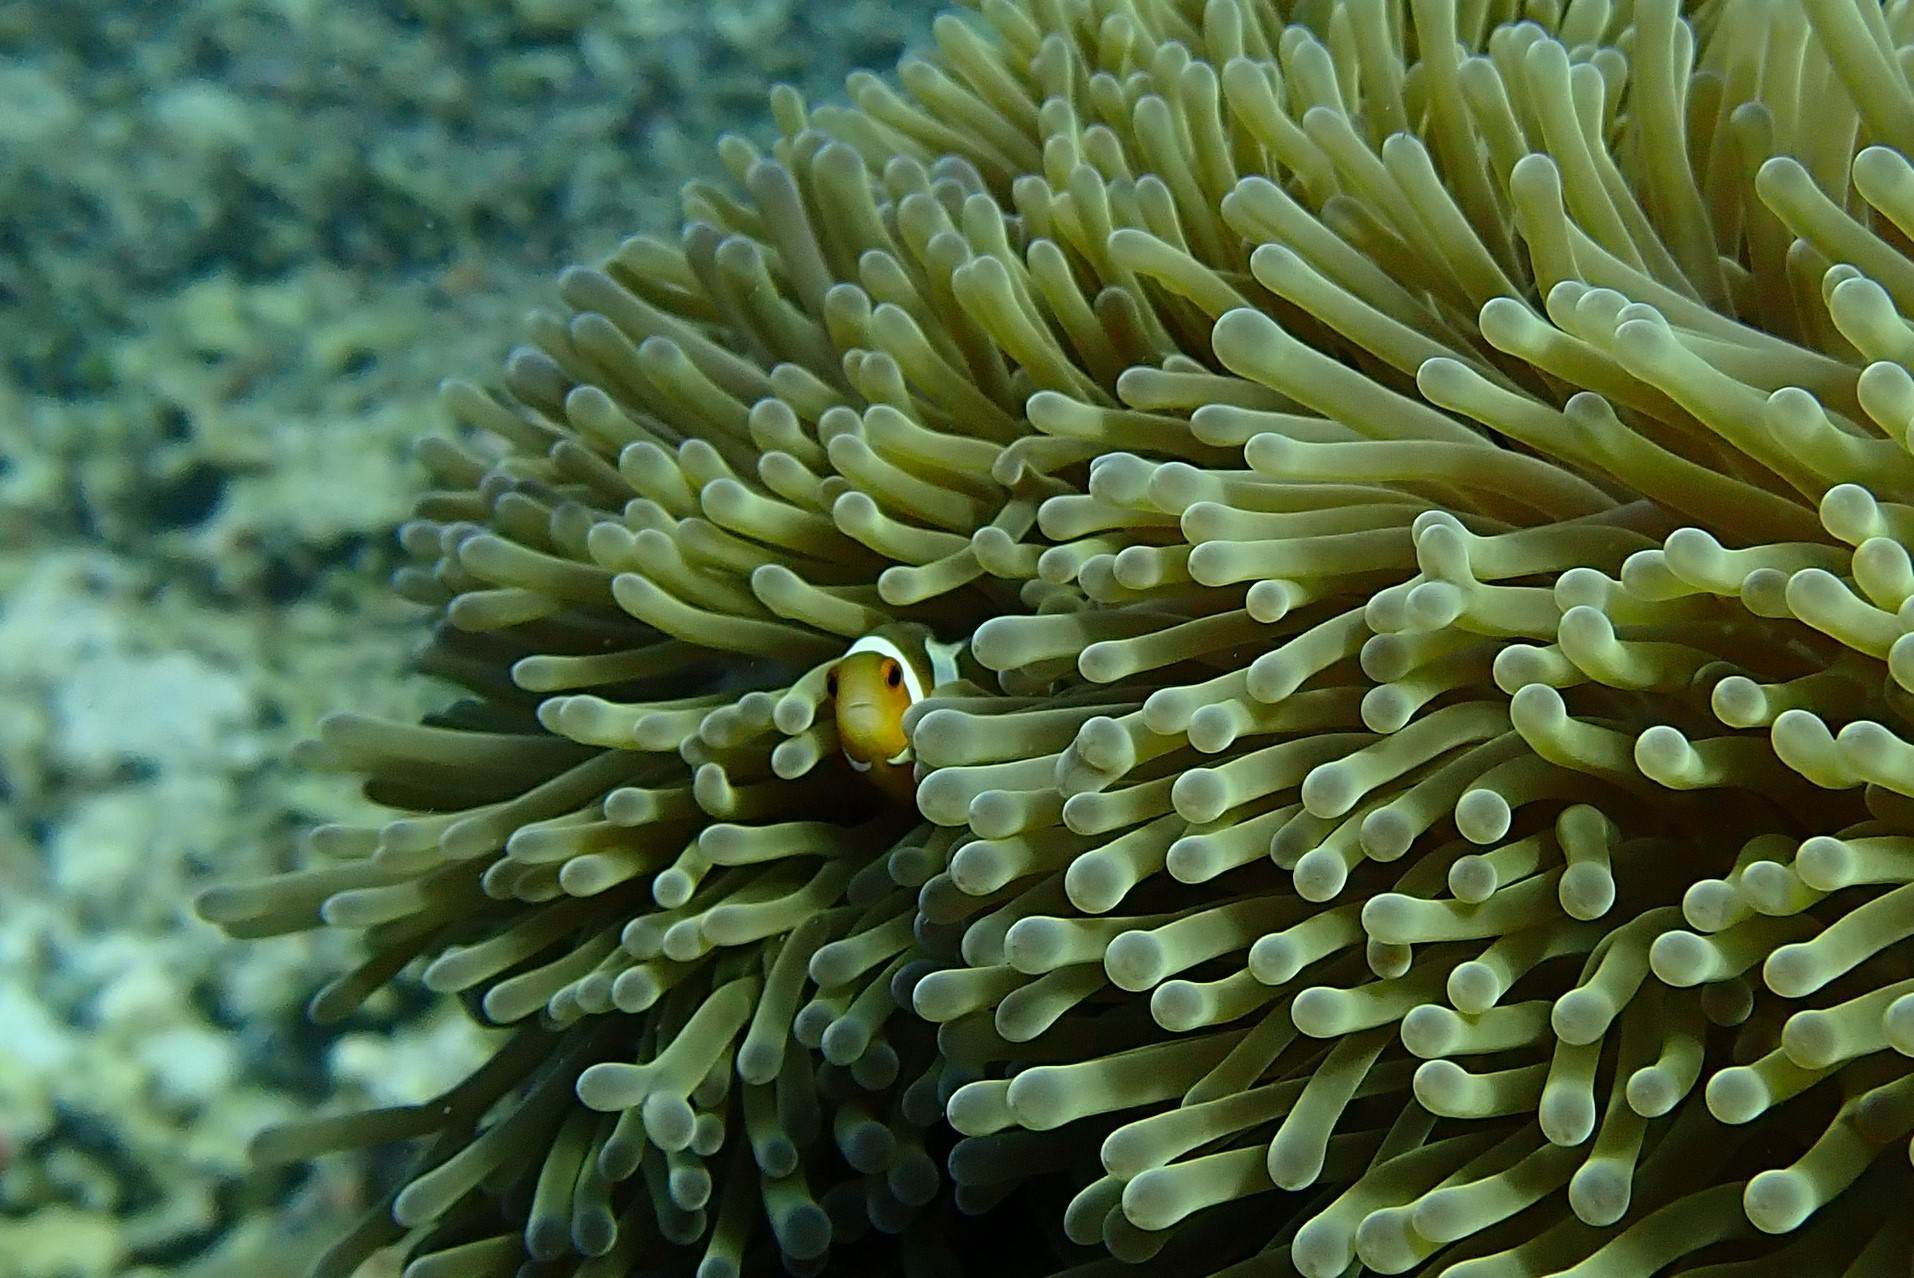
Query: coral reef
point(1424, 492)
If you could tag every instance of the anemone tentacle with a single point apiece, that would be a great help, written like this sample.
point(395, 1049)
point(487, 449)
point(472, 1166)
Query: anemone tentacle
point(1425, 497)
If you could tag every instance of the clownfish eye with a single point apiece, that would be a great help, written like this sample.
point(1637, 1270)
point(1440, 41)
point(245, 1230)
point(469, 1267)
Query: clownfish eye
point(893, 674)
point(830, 683)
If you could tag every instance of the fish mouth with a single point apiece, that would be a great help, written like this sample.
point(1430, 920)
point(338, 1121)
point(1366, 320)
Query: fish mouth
point(869, 733)
point(857, 765)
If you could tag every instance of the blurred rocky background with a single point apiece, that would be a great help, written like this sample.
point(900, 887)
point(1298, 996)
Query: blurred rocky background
point(241, 241)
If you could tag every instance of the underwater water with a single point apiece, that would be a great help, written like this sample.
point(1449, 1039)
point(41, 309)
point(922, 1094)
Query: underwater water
point(1189, 638)
point(241, 242)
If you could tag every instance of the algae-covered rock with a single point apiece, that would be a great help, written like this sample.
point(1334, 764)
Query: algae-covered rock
point(242, 247)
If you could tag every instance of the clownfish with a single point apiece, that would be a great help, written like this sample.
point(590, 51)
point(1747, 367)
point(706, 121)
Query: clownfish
point(883, 675)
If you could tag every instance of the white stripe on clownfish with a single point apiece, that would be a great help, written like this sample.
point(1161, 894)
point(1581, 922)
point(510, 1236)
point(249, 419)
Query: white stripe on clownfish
point(883, 645)
point(919, 658)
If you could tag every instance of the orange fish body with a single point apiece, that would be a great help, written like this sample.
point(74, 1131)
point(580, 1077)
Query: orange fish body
point(871, 687)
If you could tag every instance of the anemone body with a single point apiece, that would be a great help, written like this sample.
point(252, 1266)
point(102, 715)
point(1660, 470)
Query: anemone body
point(1424, 494)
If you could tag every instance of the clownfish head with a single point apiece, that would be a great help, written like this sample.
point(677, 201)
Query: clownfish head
point(872, 686)
point(870, 695)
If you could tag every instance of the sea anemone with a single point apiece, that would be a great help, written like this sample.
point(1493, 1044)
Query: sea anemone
point(1424, 497)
